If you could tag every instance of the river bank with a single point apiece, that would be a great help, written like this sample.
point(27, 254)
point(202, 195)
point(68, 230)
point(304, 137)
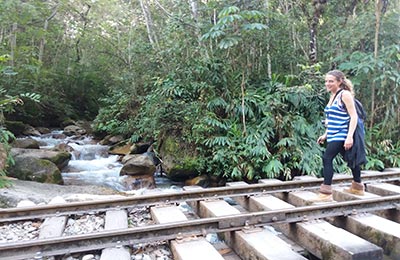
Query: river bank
point(43, 192)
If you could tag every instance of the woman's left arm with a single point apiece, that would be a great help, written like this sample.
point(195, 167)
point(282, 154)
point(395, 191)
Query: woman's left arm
point(348, 100)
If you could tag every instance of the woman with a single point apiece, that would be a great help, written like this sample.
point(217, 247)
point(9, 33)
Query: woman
point(341, 122)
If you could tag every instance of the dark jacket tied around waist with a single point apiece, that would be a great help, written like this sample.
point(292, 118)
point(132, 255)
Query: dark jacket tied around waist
point(356, 156)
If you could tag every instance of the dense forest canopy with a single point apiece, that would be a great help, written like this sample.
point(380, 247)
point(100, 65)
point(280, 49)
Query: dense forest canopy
point(240, 82)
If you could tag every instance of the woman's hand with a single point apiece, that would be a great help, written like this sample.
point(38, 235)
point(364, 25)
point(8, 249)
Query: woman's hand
point(321, 139)
point(348, 143)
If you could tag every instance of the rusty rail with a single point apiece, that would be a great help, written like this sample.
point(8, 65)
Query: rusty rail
point(38, 212)
point(161, 232)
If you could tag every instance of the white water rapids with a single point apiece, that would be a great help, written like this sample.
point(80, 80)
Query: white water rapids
point(91, 164)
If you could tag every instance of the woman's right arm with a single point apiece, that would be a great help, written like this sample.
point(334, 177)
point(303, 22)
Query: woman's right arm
point(322, 138)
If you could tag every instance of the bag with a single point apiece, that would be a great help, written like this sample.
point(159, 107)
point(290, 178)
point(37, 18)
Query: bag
point(356, 155)
point(360, 110)
point(362, 115)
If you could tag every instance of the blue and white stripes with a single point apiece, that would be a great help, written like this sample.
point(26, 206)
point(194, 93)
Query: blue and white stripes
point(337, 121)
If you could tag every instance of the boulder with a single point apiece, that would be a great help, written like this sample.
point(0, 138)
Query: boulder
point(59, 158)
point(121, 148)
point(111, 140)
point(28, 143)
point(138, 182)
point(86, 125)
point(30, 131)
point(202, 181)
point(16, 127)
point(71, 130)
point(179, 160)
point(125, 147)
point(43, 130)
point(35, 169)
point(63, 147)
point(137, 165)
point(139, 148)
point(206, 181)
point(67, 122)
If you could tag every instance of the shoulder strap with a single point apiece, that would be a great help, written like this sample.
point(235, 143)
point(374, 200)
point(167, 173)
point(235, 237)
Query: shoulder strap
point(337, 93)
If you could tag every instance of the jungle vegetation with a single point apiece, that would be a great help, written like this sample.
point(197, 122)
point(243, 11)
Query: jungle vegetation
point(242, 81)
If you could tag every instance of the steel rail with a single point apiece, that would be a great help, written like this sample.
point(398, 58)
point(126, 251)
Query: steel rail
point(182, 229)
point(43, 211)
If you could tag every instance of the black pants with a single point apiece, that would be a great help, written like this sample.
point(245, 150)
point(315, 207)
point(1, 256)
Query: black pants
point(333, 149)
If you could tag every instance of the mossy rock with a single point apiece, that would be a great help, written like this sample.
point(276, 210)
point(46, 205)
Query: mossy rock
point(61, 159)
point(16, 127)
point(67, 122)
point(35, 169)
point(180, 160)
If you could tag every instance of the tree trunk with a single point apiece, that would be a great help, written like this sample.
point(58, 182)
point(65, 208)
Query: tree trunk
point(13, 43)
point(195, 11)
point(269, 71)
point(43, 40)
point(242, 87)
point(149, 24)
point(195, 15)
point(2, 31)
point(318, 10)
point(378, 8)
point(85, 22)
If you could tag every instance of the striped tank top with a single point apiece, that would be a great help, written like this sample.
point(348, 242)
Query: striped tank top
point(337, 120)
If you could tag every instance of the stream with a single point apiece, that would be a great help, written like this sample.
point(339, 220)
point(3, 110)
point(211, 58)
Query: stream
point(91, 164)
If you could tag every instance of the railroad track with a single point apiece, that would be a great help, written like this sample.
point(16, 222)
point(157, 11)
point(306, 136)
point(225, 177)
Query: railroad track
point(228, 211)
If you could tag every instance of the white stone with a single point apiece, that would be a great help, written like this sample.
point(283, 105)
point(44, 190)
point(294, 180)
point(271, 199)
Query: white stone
point(57, 200)
point(88, 257)
point(25, 203)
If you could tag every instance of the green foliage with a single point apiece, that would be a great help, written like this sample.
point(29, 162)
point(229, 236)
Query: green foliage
point(226, 29)
point(277, 143)
point(232, 60)
point(113, 118)
point(7, 104)
point(381, 152)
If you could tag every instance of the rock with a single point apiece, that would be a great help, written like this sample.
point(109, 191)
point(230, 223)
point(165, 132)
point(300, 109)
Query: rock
point(125, 148)
point(179, 159)
point(30, 131)
point(139, 182)
point(206, 181)
point(111, 140)
point(139, 148)
point(63, 147)
point(137, 164)
point(120, 149)
point(27, 143)
point(59, 158)
point(43, 192)
point(25, 203)
point(74, 130)
point(86, 125)
point(57, 200)
point(43, 130)
point(202, 181)
point(35, 169)
point(16, 127)
point(88, 257)
point(58, 136)
point(67, 122)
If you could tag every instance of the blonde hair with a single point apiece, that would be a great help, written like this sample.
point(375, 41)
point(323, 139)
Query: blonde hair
point(344, 82)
